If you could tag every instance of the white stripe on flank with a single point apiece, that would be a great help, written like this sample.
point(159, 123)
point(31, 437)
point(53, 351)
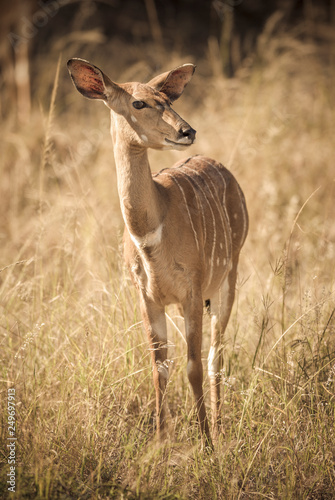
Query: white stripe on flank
point(224, 191)
point(244, 213)
point(220, 209)
point(188, 212)
point(191, 181)
point(214, 225)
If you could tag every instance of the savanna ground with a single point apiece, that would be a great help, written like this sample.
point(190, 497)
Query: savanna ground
point(72, 343)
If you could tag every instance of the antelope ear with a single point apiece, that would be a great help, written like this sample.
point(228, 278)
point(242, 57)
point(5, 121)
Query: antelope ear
point(172, 83)
point(89, 80)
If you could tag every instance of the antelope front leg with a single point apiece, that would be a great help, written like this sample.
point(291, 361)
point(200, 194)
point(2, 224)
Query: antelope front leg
point(155, 325)
point(193, 325)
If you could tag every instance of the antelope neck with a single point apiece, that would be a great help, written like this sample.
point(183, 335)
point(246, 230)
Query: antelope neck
point(139, 198)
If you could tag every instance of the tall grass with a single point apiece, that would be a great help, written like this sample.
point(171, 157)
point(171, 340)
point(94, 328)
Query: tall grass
point(72, 343)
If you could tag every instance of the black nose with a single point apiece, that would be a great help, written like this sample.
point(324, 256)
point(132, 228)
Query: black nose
point(188, 132)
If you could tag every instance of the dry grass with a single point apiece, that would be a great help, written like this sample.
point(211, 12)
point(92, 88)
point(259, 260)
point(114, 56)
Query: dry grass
point(71, 338)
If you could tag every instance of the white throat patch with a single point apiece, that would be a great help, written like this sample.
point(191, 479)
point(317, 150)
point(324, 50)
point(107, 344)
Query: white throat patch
point(149, 240)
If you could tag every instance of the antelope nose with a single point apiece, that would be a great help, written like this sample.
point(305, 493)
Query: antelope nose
point(188, 132)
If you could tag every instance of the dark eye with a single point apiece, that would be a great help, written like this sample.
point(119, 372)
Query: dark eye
point(139, 104)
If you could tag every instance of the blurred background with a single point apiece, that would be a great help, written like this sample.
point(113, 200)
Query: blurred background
point(137, 37)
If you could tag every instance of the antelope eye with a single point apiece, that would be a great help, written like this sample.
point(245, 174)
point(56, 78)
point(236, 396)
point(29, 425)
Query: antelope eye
point(139, 104)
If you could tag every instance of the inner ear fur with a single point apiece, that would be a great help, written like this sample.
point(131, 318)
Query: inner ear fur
point(172, 83)
point(89, 80)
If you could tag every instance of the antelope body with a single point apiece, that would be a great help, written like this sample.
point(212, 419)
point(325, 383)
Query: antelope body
point(184, 226)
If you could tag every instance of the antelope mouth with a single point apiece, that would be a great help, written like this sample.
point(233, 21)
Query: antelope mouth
point(179, 144)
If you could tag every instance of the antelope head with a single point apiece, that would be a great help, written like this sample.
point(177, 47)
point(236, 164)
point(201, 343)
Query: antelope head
point(144, 110)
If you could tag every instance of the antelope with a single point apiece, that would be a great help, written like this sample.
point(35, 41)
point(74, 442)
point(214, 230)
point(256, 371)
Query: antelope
point(184, 226)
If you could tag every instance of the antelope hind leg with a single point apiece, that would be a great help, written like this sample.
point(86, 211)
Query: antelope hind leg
point(221, 305)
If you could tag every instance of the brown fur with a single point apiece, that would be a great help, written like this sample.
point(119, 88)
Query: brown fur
point(185, 226)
